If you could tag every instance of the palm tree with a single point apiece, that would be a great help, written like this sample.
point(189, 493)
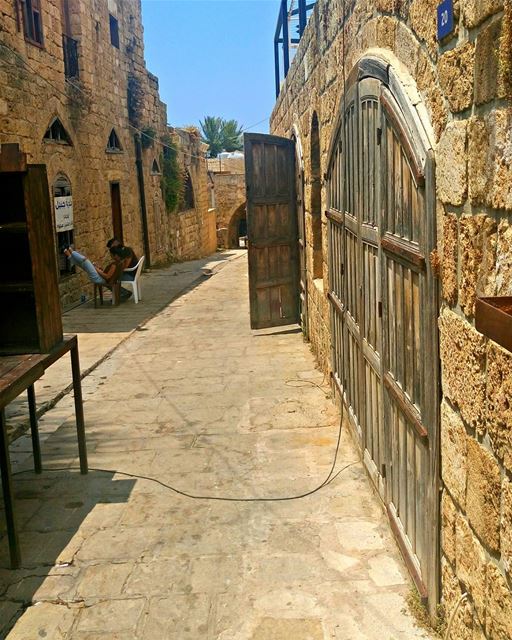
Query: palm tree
point(221, 135)
point(232, 136)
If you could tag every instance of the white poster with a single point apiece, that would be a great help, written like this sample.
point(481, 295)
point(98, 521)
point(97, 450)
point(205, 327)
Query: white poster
point(63, 213)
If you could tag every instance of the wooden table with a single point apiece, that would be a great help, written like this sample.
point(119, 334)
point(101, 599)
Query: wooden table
point(18, 374)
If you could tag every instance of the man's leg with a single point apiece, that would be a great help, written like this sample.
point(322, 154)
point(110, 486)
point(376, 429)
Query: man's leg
point(84, 263)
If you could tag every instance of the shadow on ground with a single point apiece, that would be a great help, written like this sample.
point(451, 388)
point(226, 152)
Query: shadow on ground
point(159, 288)
point(103, 329)
point(48, 527)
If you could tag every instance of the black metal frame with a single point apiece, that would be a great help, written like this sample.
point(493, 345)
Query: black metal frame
point(282, 35)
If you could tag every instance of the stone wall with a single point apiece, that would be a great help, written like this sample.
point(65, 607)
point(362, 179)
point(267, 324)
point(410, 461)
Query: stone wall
point(192, 231)
point(229, 190)
point(460, 89)
point(34, 90)
point(234, 165)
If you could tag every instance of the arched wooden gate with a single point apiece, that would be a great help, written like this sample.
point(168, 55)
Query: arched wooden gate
point(384, 305)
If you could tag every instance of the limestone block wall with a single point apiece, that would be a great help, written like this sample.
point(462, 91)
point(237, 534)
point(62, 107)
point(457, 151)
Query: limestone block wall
point(226, 165)
point(461, 89)
point(34, 90)
point(192, 231)
point(230, 197)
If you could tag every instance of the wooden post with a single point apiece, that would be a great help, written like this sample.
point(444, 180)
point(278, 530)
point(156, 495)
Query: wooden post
point(5, 467)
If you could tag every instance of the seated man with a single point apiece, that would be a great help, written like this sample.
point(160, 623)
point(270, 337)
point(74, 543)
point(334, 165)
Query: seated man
point(106, 277)
point(130, 259)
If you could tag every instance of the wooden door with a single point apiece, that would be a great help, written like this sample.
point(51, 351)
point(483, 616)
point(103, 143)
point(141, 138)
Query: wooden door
point(301, 226)
point(272, 230)
point(383, 300)
point(117, 214)
point(410, 351)
point(370, 297)
point(42, 251)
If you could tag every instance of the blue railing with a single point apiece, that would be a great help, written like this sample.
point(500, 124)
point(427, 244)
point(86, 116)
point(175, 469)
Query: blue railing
point(291, 22)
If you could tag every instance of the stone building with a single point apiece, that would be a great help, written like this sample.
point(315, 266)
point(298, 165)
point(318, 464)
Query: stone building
point(228, 179)
point(76, 96)
point(404, 139)
point(192, 228)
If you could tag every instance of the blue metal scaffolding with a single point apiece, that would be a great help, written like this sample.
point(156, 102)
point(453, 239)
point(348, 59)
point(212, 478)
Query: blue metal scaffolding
point(293, 16)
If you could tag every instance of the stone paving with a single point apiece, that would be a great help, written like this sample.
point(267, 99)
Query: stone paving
point(101, 330)
point(200, 402)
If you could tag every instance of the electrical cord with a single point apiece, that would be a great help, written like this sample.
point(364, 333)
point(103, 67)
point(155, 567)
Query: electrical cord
point(330, 477)
point(192, 496)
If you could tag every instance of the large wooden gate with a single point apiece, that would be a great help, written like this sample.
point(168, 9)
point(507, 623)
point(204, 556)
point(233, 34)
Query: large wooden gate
point(383, 300)
point(272, 230)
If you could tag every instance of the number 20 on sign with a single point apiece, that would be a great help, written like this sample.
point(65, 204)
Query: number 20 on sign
point(444, 19)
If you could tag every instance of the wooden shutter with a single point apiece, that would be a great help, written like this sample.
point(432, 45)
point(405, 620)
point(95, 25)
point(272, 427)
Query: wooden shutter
point(44, 261)
point(272, 230)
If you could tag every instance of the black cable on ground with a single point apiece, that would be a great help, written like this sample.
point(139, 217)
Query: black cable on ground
point(330, 477)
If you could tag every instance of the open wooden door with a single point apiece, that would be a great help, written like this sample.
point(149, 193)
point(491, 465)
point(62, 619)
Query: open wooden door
point(272, 230)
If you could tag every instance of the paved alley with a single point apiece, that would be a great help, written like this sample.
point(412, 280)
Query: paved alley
point(198, 401)
point(101, 330)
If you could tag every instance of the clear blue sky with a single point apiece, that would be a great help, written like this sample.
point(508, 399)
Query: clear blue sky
point(213, 57)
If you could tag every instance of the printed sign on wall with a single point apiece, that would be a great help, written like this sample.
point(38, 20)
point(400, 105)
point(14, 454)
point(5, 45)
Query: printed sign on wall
point(444, 19)
point(63, 213)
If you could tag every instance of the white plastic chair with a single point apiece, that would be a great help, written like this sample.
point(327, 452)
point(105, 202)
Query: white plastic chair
point(135, 283)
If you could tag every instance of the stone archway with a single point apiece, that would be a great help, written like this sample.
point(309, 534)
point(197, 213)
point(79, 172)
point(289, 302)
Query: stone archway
point(237, 227)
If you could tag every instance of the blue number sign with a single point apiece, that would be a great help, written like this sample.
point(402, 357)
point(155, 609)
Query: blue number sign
point(444, 19)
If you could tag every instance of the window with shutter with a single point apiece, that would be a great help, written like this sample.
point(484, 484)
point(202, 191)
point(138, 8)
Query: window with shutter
point(114, 31)
point(32, 23)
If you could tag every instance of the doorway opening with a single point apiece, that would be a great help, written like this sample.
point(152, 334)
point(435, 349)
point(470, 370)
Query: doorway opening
point(237, 230)
point(315, 208)
point(117, 213)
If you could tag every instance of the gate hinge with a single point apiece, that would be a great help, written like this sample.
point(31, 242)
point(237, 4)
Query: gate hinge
point(379, 136)
point(383, 470)
point(379, 308)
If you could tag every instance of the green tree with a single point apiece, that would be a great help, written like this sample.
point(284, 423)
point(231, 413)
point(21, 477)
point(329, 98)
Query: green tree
point(221, 135)
point(232, 136)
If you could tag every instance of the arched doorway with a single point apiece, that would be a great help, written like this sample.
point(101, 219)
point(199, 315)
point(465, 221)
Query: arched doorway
point(301, 228)
point(384, 305)
point(315, 204)
point(237, 229)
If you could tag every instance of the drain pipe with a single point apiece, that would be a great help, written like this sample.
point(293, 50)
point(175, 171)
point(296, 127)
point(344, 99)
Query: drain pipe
point(142, 195)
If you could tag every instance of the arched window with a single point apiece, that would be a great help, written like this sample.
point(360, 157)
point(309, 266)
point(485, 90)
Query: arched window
point(57, 133)
point(155, 169)
point(113, 144)
point(315, 208)
point(63, 207)
point(187, 201)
